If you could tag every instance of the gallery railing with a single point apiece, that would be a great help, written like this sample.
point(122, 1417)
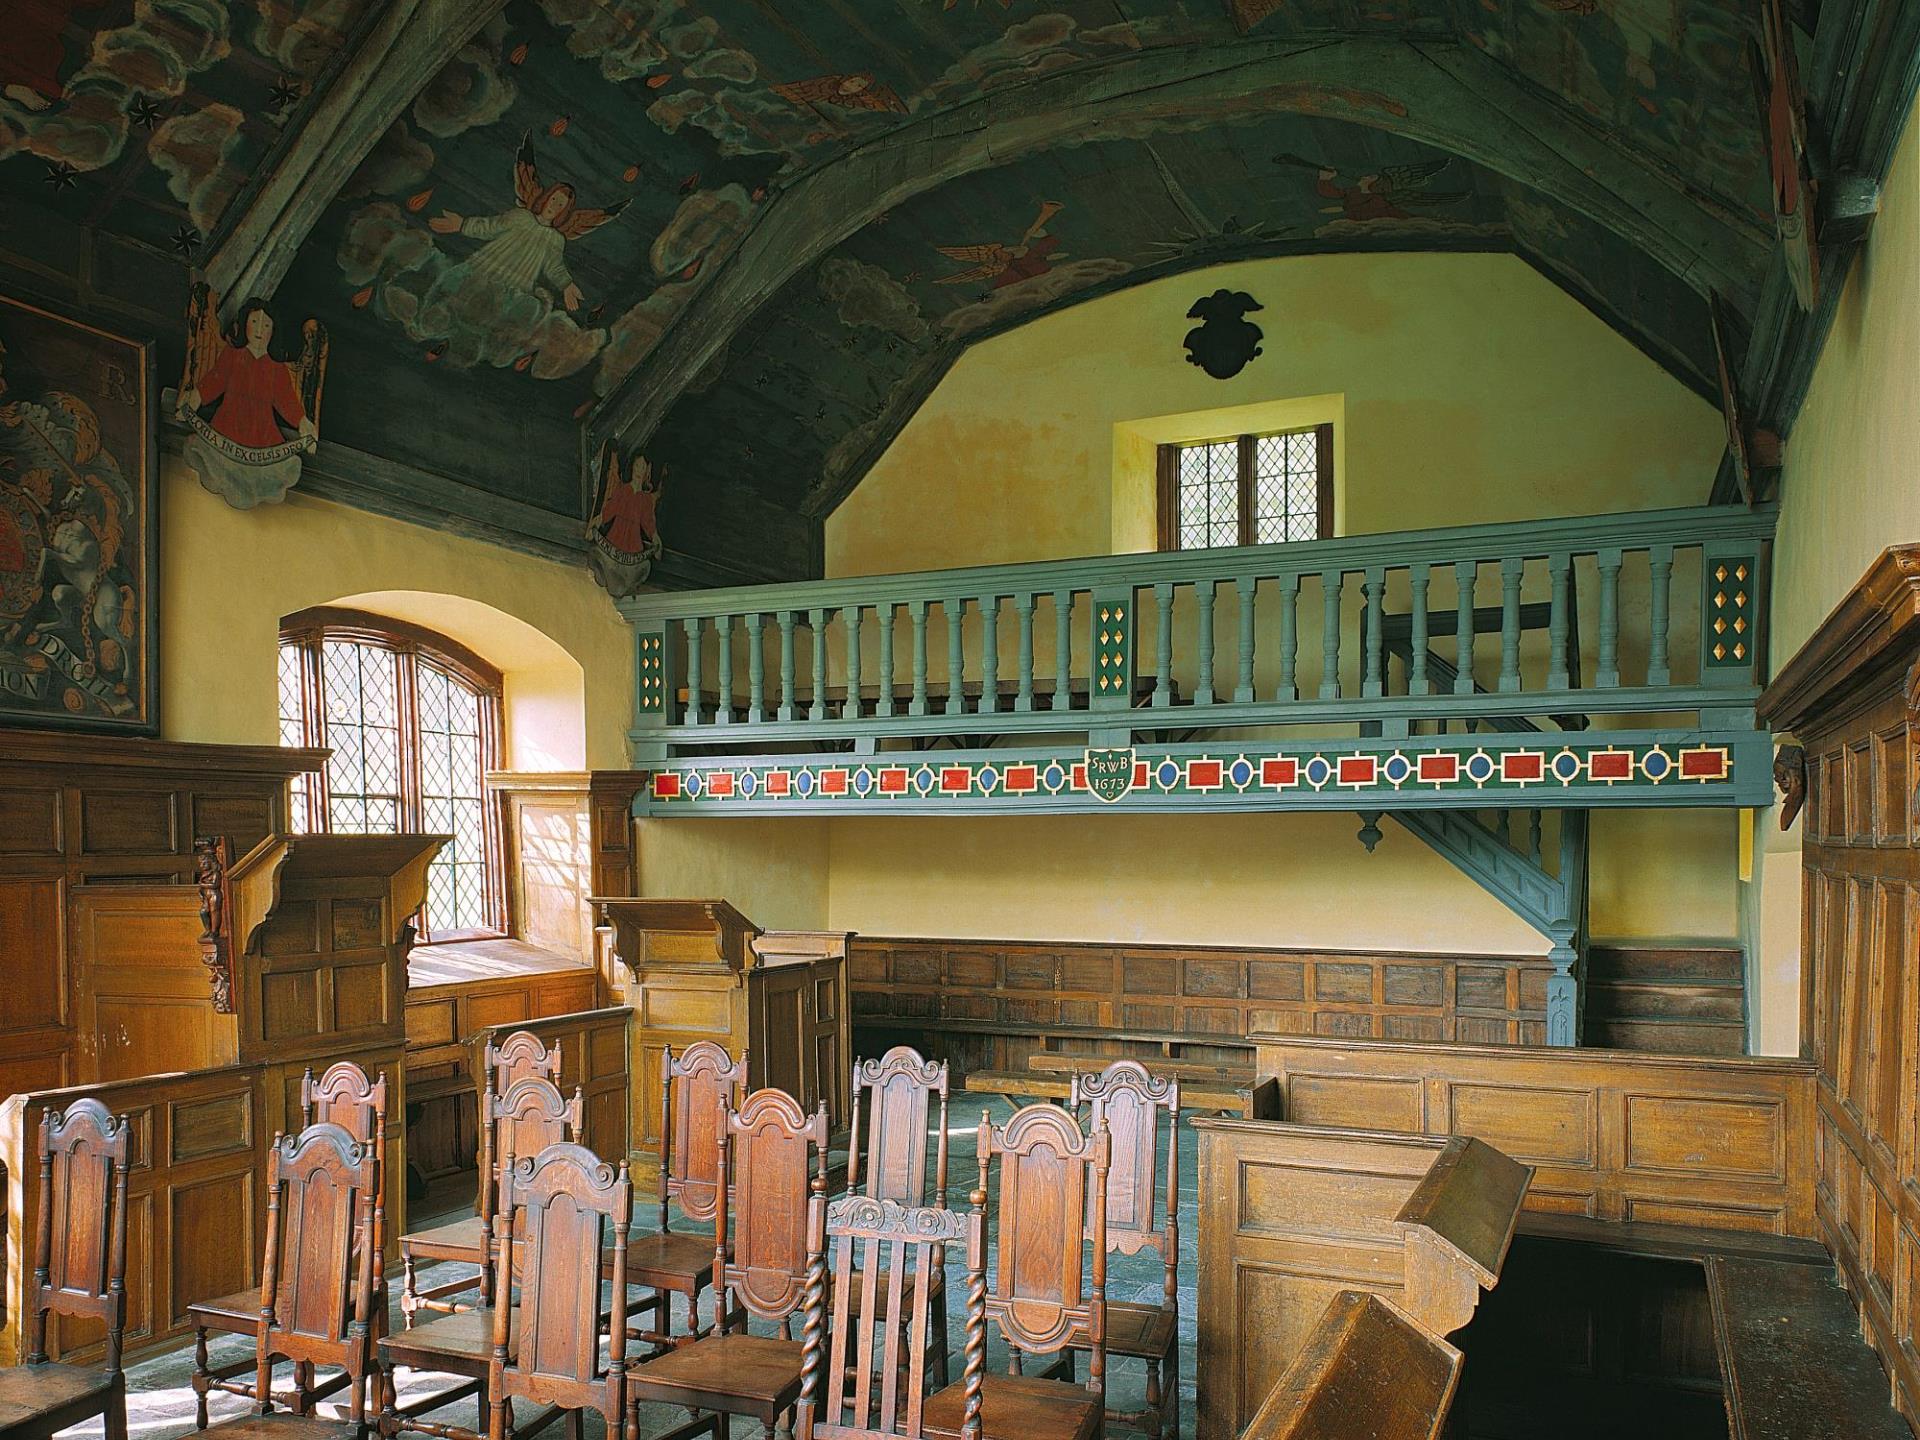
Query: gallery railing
point(1554, 621)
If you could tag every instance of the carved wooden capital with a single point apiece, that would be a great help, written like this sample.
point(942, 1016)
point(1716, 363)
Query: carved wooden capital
point(212, 854)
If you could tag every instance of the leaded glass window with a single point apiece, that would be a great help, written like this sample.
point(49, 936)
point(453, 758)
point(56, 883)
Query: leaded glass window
point(412, 722)
point(1247, 490)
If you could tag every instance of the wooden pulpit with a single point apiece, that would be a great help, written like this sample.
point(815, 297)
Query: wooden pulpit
point(700, 970)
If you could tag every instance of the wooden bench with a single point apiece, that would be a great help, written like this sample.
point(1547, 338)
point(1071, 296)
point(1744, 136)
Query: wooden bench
point(1366, 1372)
point(1247, 1101)
point(1058, 1062)
point(1791, 1355)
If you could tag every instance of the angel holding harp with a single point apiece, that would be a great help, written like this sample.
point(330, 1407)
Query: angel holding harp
point(526, 246)
point(252, 414)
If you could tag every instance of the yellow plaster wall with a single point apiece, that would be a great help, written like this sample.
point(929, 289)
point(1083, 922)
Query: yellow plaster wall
point(1850, 489)
point(227, 576)
point(1473, 389)
point(1466, 389)
point(775, 872)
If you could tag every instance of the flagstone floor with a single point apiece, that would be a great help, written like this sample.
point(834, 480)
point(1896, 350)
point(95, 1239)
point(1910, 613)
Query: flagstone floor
point(161, 1400)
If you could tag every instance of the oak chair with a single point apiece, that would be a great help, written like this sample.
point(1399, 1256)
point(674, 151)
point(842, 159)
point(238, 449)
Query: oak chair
point(899, 1088)
point(528, 1119)
point(769, 1219)
point(1053, 1180)
point(522, 1055)
point(561, 1203)
point(856, 1382)
point(316, 1289)
point(79, 1273)
point(696, 1089)
point(1128, 1100)
point(342, 1096)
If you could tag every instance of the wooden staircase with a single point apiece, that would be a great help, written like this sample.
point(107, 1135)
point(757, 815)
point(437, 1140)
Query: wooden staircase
point(1676, 998)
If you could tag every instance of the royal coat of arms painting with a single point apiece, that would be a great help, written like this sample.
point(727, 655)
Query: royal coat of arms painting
point(78, 516)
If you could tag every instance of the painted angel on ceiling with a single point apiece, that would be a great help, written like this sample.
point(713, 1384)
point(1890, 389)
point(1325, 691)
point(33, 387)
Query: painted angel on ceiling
point(857, 91)
point(1002, 265)
point(624, 535)
point(525, 247)
point(1395, 192)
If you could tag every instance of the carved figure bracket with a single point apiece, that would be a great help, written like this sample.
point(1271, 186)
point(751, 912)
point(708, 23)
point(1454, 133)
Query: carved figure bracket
point(212, 854)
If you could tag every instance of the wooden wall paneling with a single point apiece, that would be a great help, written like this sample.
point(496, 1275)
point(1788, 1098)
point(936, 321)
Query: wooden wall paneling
point(546, 821)
point(1028, 995)
point(1851, 698)
point(1721, 1142)
point(141, 1003)
point(80, 811)
point(194, 1199)
point(1291, 1215)
point(610, 795)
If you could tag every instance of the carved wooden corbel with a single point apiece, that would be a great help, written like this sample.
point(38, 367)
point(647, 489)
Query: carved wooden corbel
point(1790, 779)
point(211, 857)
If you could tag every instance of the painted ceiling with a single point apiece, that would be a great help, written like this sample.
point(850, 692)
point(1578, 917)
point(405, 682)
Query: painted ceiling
point(506, 268)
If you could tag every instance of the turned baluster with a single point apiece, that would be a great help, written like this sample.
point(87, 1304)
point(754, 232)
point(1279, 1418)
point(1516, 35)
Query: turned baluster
point(1465, 572)
point(1331, 582)
point(1289, 688)
point(1023, 612)
point(850, 709)
point(1607, 671)
point(723, 665)
point(1420, 576)
point(886, 614)
point(1661, 562)
point(1511, 572)
point(1062, 649)
point(756, 668)
point(817, 623)
point(956, 658)
point(1373, 587)
point(1204, 595)
point(1559, 570)
point(1249, 586)
point(1163, 644)
point(917, 613)
point(989, 654)
point(692, 627)
point(786, 619)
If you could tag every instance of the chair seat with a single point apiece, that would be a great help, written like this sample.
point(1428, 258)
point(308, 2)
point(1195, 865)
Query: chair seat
point(239, 1313)
point(750, 1374)
point(456, 1240)
point(29, 1392)
point(1017, 1407)
point(459, 1344)
point(282, 1425)
point(1144, 1331)
point(669, 1261)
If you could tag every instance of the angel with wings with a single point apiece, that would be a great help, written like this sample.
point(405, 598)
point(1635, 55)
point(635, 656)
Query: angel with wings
point(253, 415)
point(1394, 193)
point(1003, 265)
point(525, 247)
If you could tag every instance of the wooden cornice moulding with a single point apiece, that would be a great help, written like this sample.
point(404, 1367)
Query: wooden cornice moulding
point(539, 782)
point(1880, 614)
point(62, 747)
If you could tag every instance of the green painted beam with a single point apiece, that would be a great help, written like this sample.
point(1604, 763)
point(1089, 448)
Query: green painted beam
point(1440, 92)
point(399, 49)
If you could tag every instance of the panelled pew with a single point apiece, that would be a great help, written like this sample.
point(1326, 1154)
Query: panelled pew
point(1293, 1215)
point(301, 951)
point(700, 970)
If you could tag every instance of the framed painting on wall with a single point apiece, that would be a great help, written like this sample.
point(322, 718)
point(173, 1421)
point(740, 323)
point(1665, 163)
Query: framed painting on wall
point(78, 524)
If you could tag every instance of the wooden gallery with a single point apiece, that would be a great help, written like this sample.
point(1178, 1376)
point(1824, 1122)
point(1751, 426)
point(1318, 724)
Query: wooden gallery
point(960, 719)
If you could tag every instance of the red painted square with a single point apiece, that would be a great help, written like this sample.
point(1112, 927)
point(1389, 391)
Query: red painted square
point(1358, 769)
point(1703, 764)
point(1079, 781)
point(779, 782)
point(719, 783)
point(833, 782)
point(1522, 766)
point(1281, 770)
point(893, 781)
point(1439, 769)
point(1201, 774)
point(1022, 779)
point(1610, 765)
point(666, 786)
point(955, 780)
point(1139, 774)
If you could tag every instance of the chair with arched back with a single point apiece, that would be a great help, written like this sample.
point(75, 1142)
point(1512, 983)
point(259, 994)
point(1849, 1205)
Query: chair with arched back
point(522, 1055)
point(79, 1275)
point(342, 1096)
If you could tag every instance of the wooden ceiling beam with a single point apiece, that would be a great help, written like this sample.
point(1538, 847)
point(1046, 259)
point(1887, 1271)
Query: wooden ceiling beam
point(1439, 92)
point(403, 47)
